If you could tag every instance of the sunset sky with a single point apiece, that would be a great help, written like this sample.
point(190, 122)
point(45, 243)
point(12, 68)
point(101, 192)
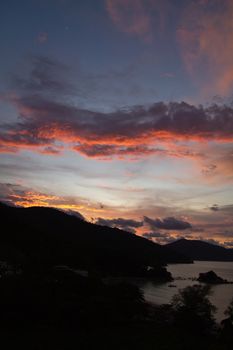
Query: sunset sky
point(122, 111)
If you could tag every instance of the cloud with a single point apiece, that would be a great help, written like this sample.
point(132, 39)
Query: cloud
point(209, 169)
point(130, 16)
point(210, 240)
point(124, 224)
point(160, 237)
point(145, 19)
point(75, 213)
point(169, 75)
point(163, 128)
point(48, 123)
point(227, 209)
point(226, 233)
point(19, 195)
point(214, 207)
point(151, 235)
point(205, 37)
point(169, 223)
point(99, 150)
point(46, 76)
point(42, 37)
point(228, 244)
point(105, 151)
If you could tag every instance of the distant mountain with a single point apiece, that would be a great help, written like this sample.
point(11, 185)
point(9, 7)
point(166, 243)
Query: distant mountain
point(200, 250)
point(39, 235)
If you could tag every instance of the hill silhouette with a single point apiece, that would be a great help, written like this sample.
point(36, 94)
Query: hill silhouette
point(47, 236)
point(200, 250)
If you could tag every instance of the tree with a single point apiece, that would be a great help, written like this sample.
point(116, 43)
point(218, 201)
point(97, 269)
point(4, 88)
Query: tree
point(229, 310)
point(226, 330)
point(193, 310)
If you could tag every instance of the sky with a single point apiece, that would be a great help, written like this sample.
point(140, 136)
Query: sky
point(122, 111)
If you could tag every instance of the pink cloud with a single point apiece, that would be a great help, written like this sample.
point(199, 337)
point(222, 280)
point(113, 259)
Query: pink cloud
point(205, 38)
point(164, 129)
point(130, 16)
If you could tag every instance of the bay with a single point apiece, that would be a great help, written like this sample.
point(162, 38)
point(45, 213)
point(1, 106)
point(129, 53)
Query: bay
point(184, 275)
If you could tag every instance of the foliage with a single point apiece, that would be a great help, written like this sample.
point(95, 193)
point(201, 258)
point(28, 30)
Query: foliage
point(192, 308)
point(229, 310)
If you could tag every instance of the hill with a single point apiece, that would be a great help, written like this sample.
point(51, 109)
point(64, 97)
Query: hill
point(38, 235)
point(200, 250)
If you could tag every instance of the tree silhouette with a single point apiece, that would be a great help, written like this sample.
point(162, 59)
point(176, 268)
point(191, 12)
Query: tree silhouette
point(229, 310)
point(193, 310)
point(226, 333)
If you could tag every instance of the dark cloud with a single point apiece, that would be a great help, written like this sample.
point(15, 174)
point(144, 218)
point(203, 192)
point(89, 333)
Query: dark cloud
point(209, 169)
point(134, 152)
point(48, 120)
point(214, 207)
point(169, 223)
point(210, 240)
point(9, 191)
point(124, 224)
point(227, 209)
point(75, 213)
point(99, 150)
point(45, 76)
point(151, 235)
point(228, 244)
point(198, 229)
point(42, 37)
point(44, 122)
point(226, 233)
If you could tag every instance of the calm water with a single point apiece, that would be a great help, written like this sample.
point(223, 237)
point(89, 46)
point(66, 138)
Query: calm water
point(221, 294)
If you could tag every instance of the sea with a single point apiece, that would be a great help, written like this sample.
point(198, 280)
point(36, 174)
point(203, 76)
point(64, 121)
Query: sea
point(184, 275)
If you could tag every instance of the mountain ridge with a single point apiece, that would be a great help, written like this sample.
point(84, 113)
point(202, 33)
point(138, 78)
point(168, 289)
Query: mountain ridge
point(201, 250)
point(50, 236)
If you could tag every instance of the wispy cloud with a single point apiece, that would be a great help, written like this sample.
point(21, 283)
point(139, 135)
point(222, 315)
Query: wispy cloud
point(145, 19)
point(20, 195)
point(129, 225)
point(42, 37)
point(205, 36)
point(130, 16)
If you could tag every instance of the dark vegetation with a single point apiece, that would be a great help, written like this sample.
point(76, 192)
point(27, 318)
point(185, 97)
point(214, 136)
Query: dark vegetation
point(60, 309)
point(193, 309)
point(227, 325)
point(46, 306)
point(199, 250)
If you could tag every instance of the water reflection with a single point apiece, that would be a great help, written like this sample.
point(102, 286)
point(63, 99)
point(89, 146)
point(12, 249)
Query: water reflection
point(184, 275)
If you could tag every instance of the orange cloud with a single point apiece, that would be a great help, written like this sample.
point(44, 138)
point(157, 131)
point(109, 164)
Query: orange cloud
point(29, 198)
point(21, 196)
point(163, 129)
